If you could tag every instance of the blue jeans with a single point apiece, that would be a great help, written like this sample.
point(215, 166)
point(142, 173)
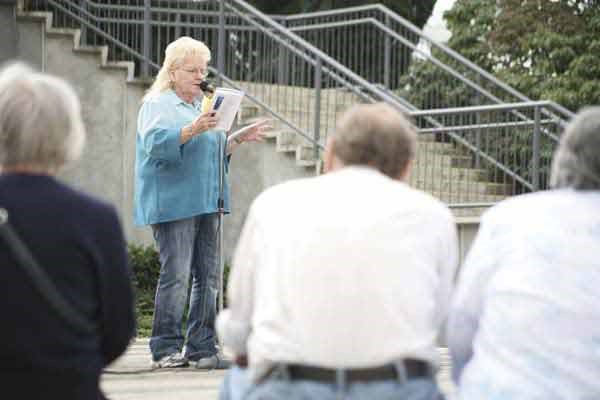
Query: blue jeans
point(186, 248)
point(237, 386)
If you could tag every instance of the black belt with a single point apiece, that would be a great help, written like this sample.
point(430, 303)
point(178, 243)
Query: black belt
point(413, 369)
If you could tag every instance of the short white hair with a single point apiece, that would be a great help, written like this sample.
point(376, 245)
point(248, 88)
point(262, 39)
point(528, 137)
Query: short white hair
point(175, 53)
point(576, 163)
point(40, 119)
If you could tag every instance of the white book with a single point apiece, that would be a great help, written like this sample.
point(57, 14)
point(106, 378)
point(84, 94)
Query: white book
point(226, 103)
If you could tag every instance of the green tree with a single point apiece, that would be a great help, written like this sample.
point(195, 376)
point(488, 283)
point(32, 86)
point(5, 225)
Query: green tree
point(545, 49)
point(549, 49)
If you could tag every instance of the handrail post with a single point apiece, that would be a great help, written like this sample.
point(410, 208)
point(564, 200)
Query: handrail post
point(221, 69)
point(282, 63)
point(83, 7)
point(147, 39)
point(317, 120)
point(221, 43)
point(478, 133)
point(387, 50)
point(177, 25)
point(535, 162)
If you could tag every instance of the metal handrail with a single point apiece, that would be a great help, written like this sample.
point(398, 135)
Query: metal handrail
point(268, 109)
point(156, 67)
point(452, 131)
point(317, 53)
point(411, 27)
point(421, 34)
point(407, 43)
point(344, 76)
point(552, 110)
point(105, 35)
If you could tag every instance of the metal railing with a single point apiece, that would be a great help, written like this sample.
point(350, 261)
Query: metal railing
point(294, 81)
point(305, 89)
point(512, 153)
point(383, 47)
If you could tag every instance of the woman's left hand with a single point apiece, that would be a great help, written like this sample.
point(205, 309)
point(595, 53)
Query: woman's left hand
point(256, 132)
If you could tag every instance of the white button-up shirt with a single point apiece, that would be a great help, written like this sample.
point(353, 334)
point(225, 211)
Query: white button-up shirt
point(525, 321)
point(350, 269)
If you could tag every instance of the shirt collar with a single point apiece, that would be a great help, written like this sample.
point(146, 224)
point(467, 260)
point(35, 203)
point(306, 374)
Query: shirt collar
point(172, 97)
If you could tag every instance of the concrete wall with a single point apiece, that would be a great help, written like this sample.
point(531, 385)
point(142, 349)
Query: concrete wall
point(31, 43)
point(467, 230)
point(255, 167)
point(8, 30)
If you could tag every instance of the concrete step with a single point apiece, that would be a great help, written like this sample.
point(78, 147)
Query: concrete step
point(461, 197)
point(424, 171)
point(426, 158)
point(462, 186)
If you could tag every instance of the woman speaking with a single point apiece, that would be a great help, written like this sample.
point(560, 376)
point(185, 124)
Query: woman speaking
point(177, 191)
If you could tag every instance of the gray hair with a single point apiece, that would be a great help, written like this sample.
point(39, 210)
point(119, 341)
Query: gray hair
point(376, 135)
point(576, 163)
point(40, 120)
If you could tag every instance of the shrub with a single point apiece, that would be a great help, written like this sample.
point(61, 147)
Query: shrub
point(145, 266)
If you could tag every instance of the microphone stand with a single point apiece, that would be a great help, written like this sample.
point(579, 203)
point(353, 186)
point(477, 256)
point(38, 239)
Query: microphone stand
point(208, 89)
point(220, 212)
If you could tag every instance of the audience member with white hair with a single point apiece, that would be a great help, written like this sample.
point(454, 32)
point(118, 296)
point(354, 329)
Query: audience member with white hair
point(525, 321)
point(76, 240)
point(342, 293)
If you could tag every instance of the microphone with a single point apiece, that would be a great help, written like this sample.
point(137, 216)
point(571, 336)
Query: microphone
point(207, 88)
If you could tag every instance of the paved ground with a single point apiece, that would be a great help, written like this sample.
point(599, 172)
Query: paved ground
point(131, 378)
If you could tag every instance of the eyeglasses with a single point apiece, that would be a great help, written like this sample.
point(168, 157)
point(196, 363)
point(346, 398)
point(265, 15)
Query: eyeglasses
point(196, 71)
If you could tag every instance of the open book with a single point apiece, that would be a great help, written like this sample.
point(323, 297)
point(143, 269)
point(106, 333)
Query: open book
point(226, 102)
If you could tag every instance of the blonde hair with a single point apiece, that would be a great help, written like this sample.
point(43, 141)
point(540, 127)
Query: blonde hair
point(40, 119)
point(377, 135)
point(175, 53)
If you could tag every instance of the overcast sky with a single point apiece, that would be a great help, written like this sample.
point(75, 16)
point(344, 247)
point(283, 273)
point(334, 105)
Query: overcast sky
point(436, 26)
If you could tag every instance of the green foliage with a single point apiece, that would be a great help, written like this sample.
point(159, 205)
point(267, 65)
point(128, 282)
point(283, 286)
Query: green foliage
point(545, 49)
point(145, 266)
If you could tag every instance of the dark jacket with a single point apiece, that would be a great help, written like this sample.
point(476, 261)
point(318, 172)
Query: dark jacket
point(78, 241)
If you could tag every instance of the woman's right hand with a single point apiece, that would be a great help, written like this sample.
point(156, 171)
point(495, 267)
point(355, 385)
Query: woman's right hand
point(204, 122)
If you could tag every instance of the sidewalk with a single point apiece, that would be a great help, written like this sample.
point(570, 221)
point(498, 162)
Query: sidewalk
point(131, 378)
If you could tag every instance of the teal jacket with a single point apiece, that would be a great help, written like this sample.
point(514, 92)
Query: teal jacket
point(175, 181)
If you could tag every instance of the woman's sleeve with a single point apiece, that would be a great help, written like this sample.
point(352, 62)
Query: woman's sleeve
point(160, 137)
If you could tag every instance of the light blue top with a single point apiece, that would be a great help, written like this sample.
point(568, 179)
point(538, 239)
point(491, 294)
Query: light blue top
point(525, 320)
point(172, 180)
